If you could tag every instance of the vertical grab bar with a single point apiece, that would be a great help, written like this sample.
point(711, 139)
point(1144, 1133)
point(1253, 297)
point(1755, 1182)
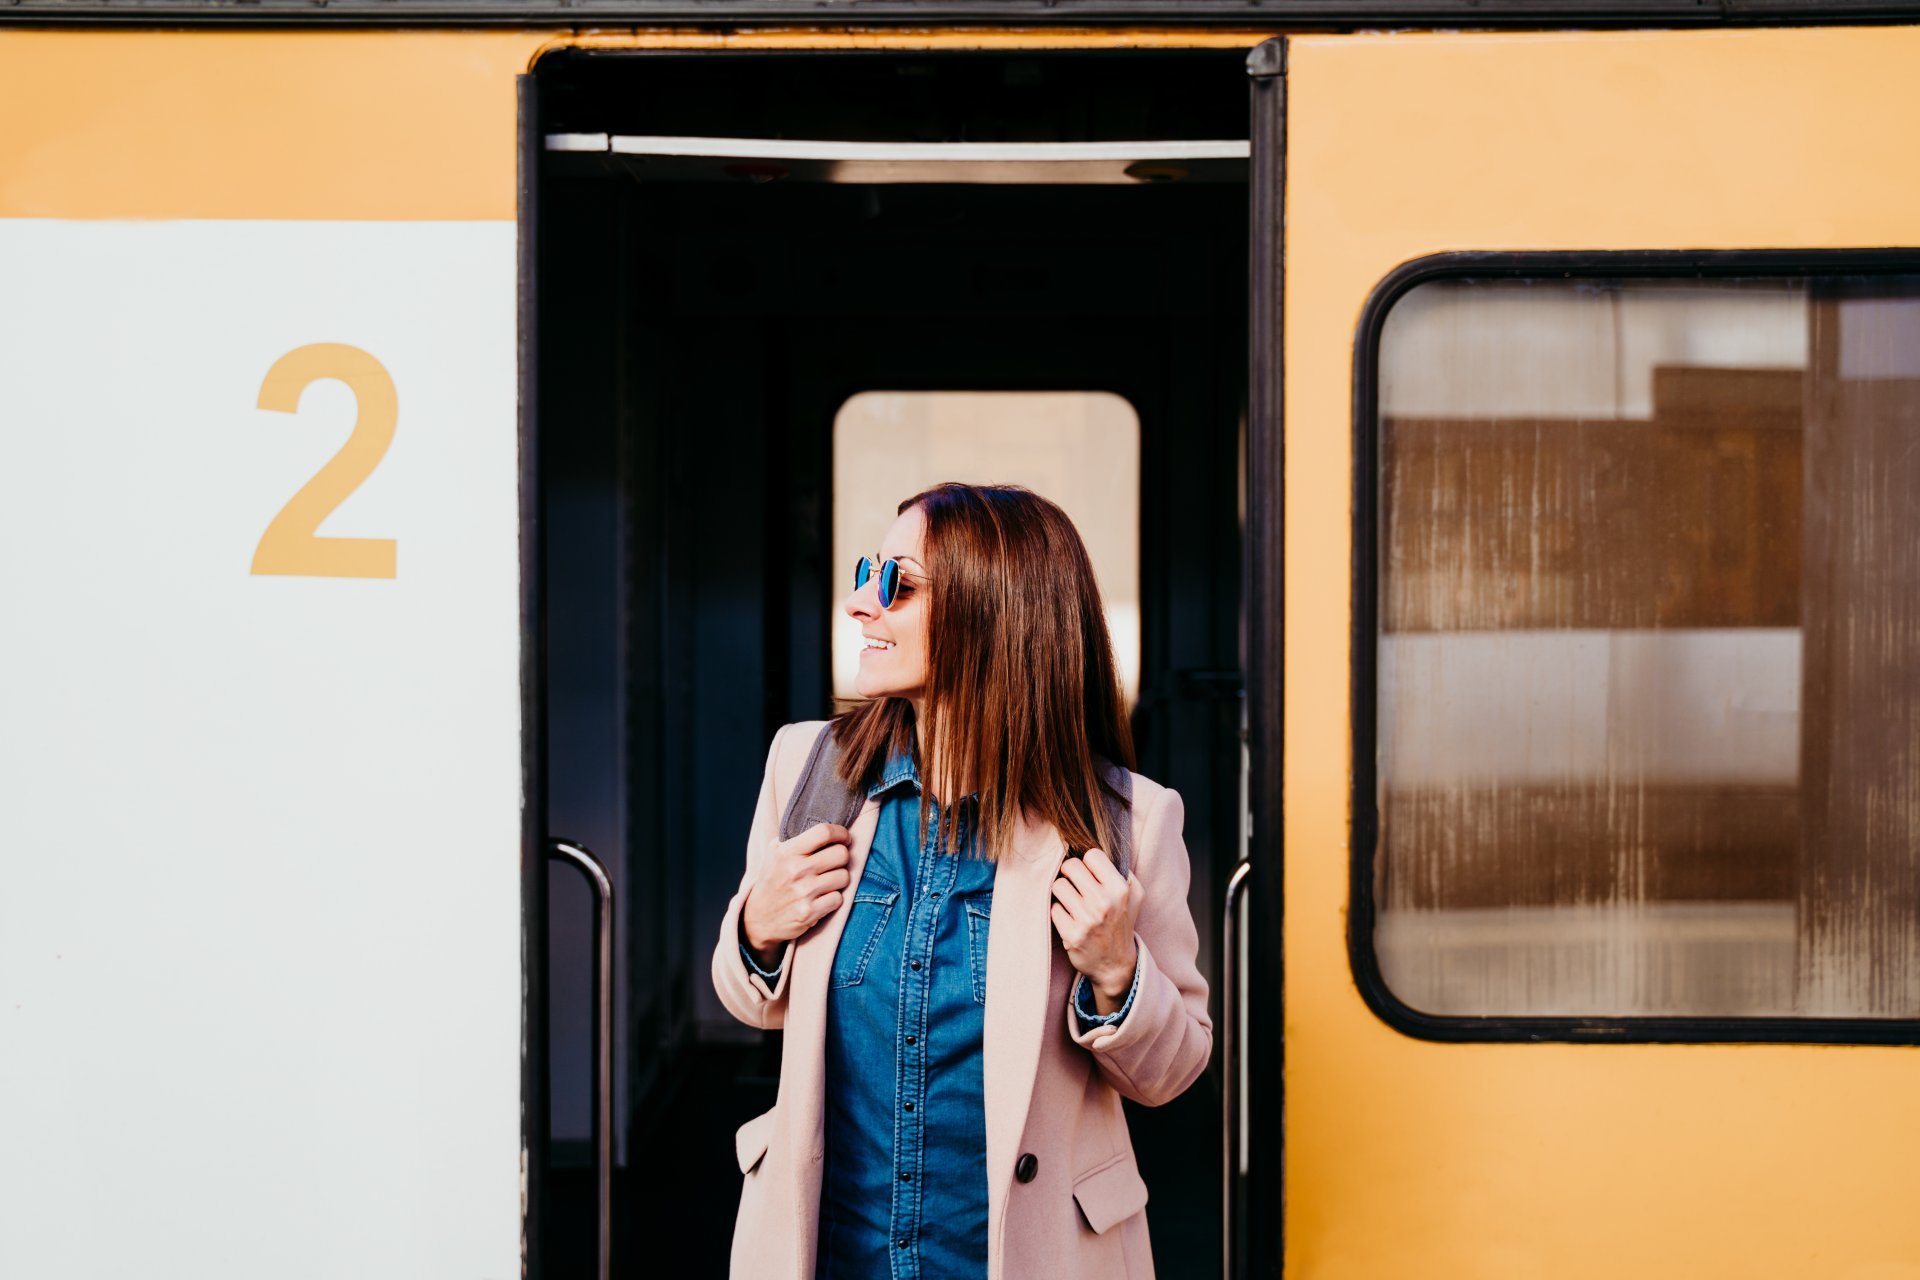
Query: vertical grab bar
point(589, 866)
point(1230, 1100)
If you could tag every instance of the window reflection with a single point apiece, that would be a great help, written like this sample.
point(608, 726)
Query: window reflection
point(1079, 448)
point(1649, 670)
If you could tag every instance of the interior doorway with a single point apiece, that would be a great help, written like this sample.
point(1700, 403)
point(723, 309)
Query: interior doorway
point(704, 326)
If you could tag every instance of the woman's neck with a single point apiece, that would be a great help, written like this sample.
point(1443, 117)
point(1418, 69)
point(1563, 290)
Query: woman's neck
point(928, 766)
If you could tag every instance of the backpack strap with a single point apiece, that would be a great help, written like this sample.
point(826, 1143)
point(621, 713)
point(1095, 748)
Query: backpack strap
point(820, 794)
point(1119, 814)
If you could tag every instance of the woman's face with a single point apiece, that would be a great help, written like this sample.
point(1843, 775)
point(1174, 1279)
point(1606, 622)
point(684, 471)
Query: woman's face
point(893, 658)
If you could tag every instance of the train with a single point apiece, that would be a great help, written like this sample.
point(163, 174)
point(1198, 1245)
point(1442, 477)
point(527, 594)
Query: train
point(439, 433)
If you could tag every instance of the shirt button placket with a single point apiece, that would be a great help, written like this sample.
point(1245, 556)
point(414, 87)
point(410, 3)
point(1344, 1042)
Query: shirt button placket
point(916, 994)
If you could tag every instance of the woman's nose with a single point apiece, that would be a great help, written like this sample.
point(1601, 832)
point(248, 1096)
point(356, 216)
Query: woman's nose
point(863, 603)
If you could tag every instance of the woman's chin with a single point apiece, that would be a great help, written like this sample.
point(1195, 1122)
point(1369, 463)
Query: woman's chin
point(872, 687)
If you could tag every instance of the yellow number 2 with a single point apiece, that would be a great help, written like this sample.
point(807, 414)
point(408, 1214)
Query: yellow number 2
point(291, 544)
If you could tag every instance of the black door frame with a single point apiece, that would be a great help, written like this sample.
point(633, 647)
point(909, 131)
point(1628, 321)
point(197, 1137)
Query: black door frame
point(1265, 1161)
point(1262, 594)
point(535, 1121)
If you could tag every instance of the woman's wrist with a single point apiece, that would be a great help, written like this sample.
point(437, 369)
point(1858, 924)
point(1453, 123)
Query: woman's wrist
point(766, 953)
point(1110, 987)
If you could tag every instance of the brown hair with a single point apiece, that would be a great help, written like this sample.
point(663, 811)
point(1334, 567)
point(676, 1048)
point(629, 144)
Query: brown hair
point(1022, 691)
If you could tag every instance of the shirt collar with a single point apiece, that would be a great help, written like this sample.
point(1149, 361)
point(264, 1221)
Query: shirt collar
point(899, 768)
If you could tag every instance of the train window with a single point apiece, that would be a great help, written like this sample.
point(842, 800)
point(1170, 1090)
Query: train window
point(1646, 682)
point(1079, 448)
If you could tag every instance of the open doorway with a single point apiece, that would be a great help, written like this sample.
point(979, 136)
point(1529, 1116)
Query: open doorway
point(717, 333)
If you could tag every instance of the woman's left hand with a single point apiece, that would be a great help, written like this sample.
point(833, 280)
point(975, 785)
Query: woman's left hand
point(1094, 910)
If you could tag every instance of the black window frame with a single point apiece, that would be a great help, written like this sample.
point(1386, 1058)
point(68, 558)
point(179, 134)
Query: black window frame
point(1365, 639)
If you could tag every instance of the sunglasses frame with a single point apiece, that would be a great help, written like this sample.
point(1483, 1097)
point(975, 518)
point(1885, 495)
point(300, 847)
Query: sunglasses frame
point(890, 574)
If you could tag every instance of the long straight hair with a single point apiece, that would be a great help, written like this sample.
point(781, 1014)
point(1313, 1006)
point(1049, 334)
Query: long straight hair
point(1022, 694)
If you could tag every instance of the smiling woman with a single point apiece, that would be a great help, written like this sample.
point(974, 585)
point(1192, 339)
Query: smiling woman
point(972, 900)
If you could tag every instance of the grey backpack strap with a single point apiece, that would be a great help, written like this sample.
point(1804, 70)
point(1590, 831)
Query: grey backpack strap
point(1119, 815)
point(821, 794)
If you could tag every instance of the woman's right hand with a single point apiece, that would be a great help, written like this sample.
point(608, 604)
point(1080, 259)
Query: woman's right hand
point(801, 885)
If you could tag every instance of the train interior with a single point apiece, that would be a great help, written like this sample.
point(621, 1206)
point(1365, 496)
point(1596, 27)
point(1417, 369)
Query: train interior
point(747, 357)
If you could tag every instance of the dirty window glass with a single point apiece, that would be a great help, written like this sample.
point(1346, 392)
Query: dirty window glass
point(1648, 737)
point(1079, 448)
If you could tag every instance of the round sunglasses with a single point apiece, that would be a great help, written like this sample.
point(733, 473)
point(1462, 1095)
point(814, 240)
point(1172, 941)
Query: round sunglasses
point(890, 577)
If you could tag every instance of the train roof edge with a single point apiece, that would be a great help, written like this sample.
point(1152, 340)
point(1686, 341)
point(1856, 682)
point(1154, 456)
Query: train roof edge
point(1290, 15)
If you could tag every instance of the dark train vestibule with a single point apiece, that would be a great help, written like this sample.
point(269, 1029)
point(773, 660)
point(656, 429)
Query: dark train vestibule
point(739, 357)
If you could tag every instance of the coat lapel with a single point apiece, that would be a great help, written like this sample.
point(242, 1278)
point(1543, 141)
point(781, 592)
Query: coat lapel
point(805, 1042)
point(1020, 952)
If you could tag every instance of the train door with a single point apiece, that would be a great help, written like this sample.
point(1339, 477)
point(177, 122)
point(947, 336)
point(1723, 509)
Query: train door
point(774, 299)
point(1600, 423)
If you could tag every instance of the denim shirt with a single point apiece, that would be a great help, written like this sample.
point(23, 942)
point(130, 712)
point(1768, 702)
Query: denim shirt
point(904, 1189)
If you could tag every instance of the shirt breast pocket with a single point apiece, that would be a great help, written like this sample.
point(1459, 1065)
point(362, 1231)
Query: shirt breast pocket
point(979, 921)
point(872, 904)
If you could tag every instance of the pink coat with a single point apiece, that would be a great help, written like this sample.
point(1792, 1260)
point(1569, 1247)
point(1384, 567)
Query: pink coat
point(1051, 1092)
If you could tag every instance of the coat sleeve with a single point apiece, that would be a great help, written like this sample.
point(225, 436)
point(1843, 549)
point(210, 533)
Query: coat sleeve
point(1166, 1039)
point(746, 995)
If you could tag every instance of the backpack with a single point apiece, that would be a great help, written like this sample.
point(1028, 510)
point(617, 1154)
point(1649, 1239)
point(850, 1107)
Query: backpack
point(822, 795)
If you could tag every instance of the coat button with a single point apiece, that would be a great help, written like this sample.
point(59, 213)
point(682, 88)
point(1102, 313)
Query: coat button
point(1026, 1168)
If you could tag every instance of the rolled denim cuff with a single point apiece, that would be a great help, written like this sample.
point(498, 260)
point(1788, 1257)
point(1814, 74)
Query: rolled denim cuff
point(1083, 1009)
point(747, 954)
point(771, 976)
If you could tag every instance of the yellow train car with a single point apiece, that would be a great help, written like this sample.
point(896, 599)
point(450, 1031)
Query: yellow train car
point(435, 428)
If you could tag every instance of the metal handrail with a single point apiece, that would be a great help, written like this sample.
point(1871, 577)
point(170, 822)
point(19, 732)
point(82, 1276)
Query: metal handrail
point(597, 879)
point(1230, 1099)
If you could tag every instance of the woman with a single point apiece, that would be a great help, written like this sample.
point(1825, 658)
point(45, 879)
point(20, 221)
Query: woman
point(965, 1003)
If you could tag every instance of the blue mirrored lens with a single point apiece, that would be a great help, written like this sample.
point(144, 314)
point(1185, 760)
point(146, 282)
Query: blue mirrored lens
point(861, 572)
point(889, 582)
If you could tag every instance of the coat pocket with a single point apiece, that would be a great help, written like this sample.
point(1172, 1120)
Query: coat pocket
point(1111, 1193)
point(750, 1141)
